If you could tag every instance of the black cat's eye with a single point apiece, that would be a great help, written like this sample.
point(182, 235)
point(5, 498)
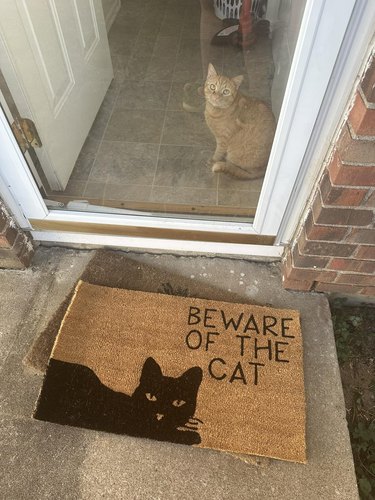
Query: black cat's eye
point(226, 92)
point(151, 397)
point(212, 86)
point(178, 402)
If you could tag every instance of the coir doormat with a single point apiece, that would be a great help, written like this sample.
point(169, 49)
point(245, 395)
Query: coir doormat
point(192, 371)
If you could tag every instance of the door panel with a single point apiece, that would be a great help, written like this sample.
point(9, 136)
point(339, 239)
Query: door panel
point(63, 86)
point(87, 25)
point(48, 46)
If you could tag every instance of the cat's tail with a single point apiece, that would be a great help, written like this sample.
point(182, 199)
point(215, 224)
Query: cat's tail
point(232, 169)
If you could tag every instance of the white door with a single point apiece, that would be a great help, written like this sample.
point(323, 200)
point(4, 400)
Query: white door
point(55, 57)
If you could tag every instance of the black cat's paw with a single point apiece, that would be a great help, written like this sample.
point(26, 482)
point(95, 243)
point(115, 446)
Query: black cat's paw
point(194, 438)
point(187, 437)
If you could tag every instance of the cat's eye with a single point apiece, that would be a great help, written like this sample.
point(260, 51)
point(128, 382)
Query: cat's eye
point(151, 397)
point(226, 92)
point(178, 402)
point(212, 86)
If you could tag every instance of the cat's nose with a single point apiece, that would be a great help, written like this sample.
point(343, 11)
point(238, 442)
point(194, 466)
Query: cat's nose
point(159, 416)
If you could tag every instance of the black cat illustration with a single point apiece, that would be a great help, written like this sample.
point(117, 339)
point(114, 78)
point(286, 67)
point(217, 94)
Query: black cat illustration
point(160, 408)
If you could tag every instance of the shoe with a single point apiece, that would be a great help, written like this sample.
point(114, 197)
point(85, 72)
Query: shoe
point(193, 100)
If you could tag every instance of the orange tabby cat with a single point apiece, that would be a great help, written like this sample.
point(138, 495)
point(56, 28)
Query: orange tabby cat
point(243, 127)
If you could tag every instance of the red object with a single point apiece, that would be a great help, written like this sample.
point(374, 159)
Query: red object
point(246, 34)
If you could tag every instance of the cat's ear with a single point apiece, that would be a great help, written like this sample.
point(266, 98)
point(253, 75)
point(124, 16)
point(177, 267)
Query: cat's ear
point(211, 71)
point(192, 377)
point(237, 80)
point(151, 370)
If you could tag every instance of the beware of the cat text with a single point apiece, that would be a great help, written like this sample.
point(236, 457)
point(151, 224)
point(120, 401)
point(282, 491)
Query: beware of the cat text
point(258, 339)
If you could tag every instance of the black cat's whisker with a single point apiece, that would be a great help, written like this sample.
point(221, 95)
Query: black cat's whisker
point(191, 425)
point(195, 420)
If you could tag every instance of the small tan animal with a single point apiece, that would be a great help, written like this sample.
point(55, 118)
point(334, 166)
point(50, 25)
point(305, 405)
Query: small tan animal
point(243, 127)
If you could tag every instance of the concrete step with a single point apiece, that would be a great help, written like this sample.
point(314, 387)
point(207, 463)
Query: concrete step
point(42, 461)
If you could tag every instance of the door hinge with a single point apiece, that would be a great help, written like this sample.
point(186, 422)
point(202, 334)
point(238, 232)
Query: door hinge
point(26, 134)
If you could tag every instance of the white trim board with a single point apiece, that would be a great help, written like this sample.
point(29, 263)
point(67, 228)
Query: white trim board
point(158, 244)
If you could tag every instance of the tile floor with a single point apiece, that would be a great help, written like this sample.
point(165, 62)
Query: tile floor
point(143, 146)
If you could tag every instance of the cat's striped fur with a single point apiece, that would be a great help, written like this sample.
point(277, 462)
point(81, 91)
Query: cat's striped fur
point(243, 127)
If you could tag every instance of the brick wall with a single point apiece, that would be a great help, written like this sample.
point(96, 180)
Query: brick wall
point(16, 246)
point(334, 248)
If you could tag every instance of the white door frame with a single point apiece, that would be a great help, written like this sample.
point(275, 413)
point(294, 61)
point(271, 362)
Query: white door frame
point(326, 24)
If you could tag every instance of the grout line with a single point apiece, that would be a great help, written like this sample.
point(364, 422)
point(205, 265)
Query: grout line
point(144, 79)
point(105, 189)
point(166, 108)
point(109, 118)
point(84, 189)
point(104, 132)
point(217, 190)
point(196, 146)
point(195, 188)
point(160, 143)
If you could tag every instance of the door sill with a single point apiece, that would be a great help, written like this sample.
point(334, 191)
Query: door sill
point(159, 245)
point(149, 232)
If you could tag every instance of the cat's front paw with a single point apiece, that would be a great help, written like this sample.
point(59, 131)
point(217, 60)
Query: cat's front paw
point(218, 166)
point(215, 159)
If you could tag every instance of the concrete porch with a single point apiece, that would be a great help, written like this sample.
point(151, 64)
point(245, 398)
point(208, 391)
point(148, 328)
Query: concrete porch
point(42, 461)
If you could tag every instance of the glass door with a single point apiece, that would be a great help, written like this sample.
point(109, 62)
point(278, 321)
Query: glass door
point(189, 113)
point(152, 144)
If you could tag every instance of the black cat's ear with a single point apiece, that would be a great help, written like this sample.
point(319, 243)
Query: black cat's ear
point(151, 370)
point(192, 377)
